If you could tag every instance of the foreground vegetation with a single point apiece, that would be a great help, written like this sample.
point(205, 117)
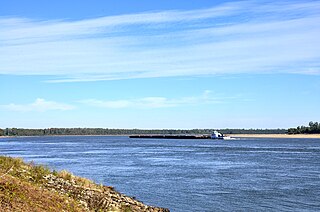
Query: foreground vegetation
point(20, 189)
point(106, 131)
point(29, 187)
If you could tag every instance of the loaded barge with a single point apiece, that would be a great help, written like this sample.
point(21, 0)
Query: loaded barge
point(214, 135)
point(172, 136)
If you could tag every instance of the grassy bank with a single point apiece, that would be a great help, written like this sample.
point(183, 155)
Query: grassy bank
point(30, 187)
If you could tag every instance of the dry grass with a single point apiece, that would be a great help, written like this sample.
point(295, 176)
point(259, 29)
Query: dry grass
point(64, 174)
point(21, 190)
point(27, 171)
point(18, 195)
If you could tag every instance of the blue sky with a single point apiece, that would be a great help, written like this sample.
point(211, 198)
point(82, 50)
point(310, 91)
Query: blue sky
point(159, 64)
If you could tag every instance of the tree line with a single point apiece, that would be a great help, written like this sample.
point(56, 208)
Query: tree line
point(313, 128)
point(107, 131)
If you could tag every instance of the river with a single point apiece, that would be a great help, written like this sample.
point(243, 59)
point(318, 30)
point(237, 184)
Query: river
point(188, 175)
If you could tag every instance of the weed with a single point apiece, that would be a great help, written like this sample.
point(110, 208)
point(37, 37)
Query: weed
point(38, 173)
point(65, 175)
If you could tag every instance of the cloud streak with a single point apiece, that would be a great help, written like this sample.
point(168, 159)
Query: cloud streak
point(39, 105)
point(156, 102)
point(233, 38)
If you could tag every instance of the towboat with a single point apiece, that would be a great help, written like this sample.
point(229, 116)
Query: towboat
point(214, 135)
point(217, 135)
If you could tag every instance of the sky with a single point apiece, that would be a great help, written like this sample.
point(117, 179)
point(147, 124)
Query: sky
point(159, 64)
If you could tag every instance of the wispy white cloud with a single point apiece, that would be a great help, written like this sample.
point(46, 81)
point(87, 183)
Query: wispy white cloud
point(237, 37)
point(39, 105)
point(157, 102)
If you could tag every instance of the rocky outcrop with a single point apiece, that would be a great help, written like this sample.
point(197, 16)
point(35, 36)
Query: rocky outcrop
point(97, 198)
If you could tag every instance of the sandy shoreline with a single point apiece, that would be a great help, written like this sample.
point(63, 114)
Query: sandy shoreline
point(231, 135)
point(25, 136)
point(274, 136)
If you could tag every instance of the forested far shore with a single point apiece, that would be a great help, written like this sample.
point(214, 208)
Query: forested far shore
point(106, 131)
point(313, 128)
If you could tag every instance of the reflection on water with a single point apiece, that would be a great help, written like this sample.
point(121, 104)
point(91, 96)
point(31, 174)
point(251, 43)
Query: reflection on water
point(189, 175)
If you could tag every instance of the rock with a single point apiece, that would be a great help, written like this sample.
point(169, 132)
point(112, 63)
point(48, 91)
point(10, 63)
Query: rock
point(99, 198)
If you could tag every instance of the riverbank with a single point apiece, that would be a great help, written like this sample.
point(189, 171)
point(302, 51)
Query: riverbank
point(27, 136)
point(27, 187)
point(231, 135)
point(274, 136)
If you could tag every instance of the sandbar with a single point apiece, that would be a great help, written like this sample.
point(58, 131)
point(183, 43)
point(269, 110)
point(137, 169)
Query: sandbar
point(274, 136)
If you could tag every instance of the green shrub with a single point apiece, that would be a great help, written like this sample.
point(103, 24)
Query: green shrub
point(38, 172)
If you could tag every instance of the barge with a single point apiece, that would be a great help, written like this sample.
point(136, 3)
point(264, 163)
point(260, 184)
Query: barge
point(172, 136)
point(214, 135)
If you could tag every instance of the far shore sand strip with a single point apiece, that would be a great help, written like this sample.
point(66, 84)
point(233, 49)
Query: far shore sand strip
point(231, 135)
point(274, 136)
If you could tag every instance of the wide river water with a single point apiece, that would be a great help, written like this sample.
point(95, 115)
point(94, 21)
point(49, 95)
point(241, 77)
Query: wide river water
point(189, 175)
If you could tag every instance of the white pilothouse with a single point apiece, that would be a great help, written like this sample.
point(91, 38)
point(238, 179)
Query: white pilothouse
point(217, 135)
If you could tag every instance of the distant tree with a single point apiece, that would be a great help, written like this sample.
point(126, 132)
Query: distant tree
point(7, 132)
point(314, 127)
